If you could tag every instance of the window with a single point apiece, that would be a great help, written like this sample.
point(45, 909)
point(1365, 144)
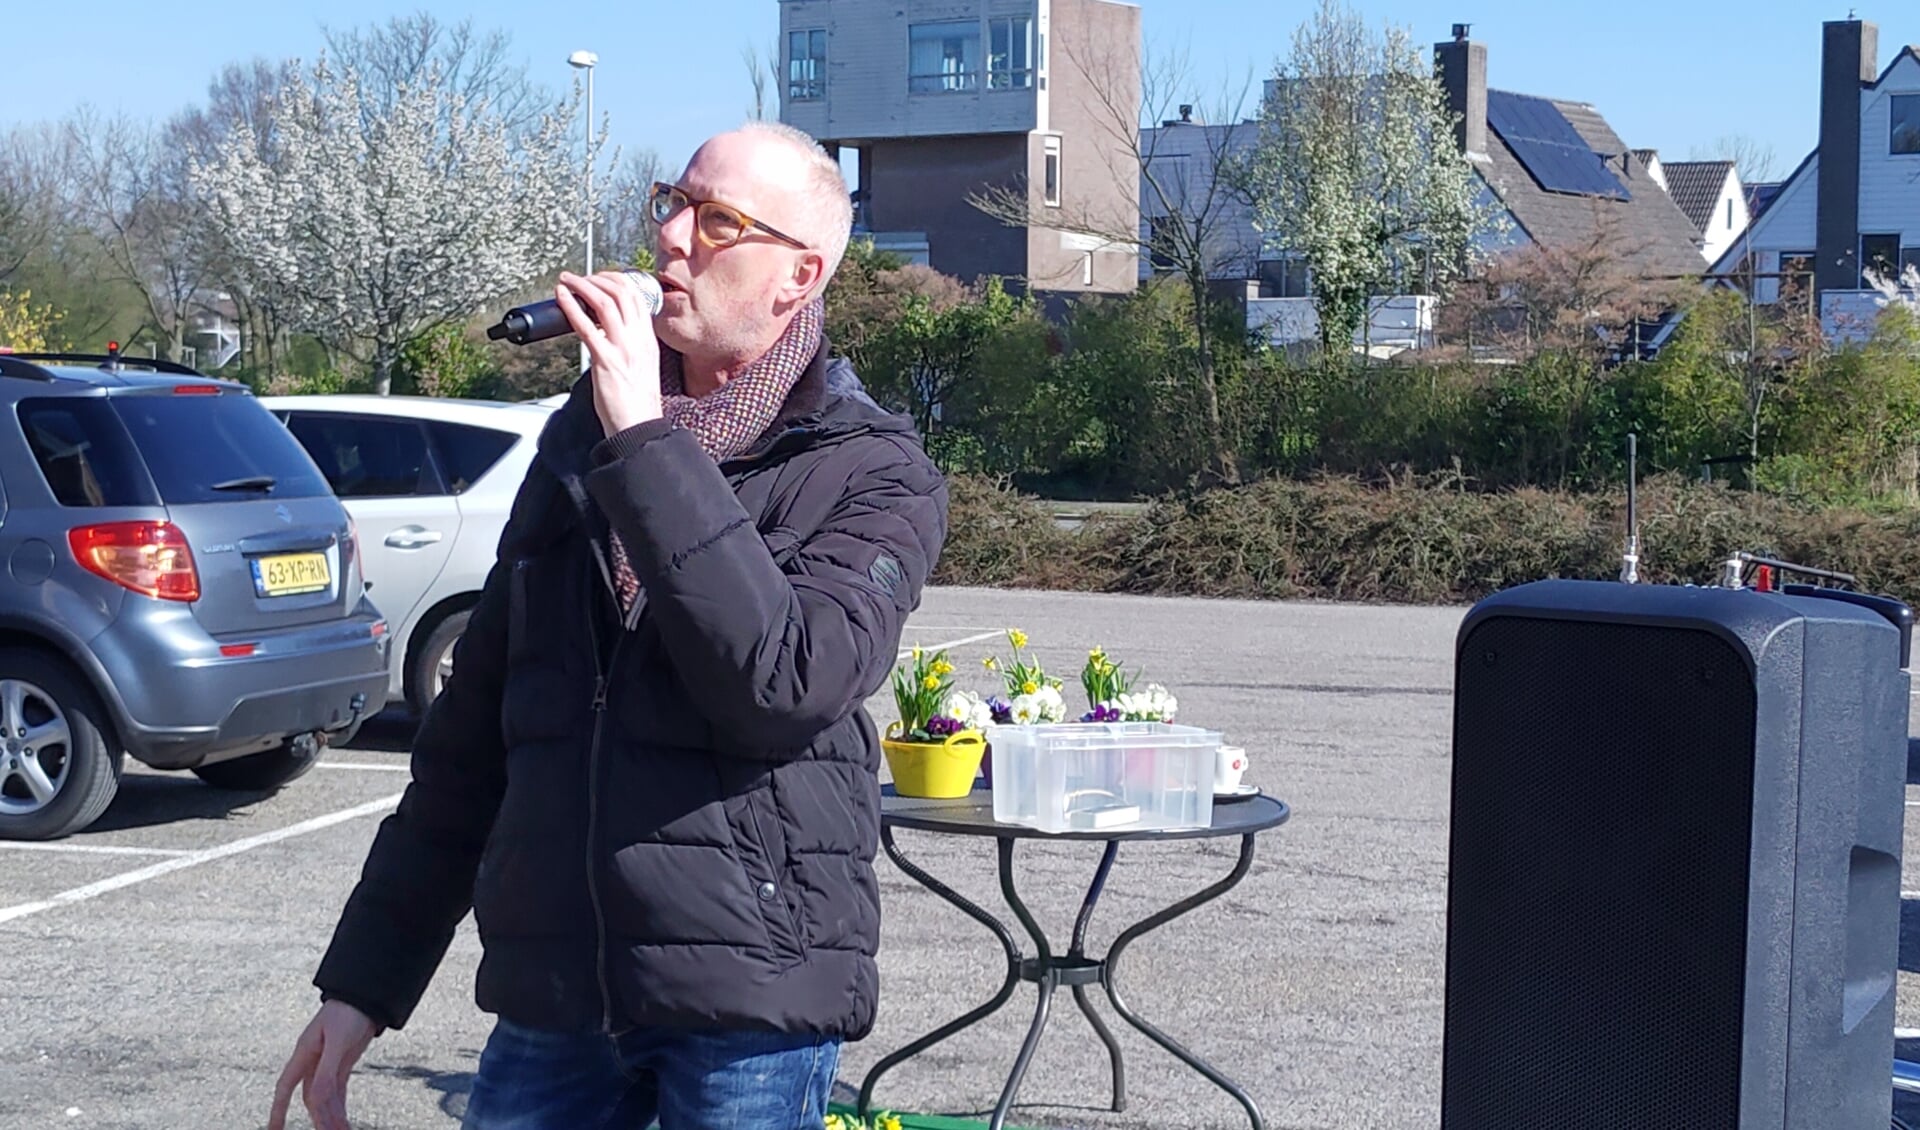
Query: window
point(943, 57)
point(1909, 260)
point(1729, 215)
point(1086, 268)
point(806, 64)
point(1879, 254)
point(468, 452)
point(367, 456)
point(83, 453)
point(1284, 278)
point(1159, 235)
point(1010, 62)
point(1796, 268)
point(1051, 180)
point(1903, 134)
point(192, 443)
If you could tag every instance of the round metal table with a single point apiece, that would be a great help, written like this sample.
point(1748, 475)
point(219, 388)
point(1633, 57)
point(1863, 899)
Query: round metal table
point(972, 815)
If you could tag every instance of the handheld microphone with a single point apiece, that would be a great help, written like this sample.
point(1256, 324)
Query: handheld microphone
point(538, 321)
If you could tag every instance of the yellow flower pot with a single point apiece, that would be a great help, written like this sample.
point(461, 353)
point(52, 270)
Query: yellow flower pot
point(944, 768)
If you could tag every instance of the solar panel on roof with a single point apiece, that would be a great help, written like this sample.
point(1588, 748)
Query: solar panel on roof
point(1554, 153)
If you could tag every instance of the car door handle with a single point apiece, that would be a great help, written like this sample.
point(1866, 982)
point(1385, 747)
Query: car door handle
point(412, 537)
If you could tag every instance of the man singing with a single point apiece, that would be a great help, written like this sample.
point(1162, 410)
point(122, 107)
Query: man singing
point(650, 775)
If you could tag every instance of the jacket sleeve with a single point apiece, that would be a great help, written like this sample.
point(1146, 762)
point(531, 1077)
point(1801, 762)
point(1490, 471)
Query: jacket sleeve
point(417, 883)
point(772, 652)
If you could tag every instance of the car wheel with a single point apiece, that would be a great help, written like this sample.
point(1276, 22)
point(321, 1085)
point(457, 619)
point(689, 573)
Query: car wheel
point(58, 767)
point(432, 662)
point(257, 772)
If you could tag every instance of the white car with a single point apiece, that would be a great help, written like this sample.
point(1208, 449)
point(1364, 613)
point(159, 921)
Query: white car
point(429, 483)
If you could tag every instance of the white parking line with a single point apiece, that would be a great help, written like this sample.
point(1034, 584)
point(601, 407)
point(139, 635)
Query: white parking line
point(365, 766)
point(908, 650)
point(90, 849)
point(195, 859)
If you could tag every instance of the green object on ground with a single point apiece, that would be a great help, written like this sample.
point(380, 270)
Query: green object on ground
point(914, 1121)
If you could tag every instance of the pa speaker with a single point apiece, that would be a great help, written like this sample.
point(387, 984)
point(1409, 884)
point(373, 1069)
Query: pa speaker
point(1673, 898)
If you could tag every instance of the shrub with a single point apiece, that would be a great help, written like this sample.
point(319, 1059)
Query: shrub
point(1409, 540)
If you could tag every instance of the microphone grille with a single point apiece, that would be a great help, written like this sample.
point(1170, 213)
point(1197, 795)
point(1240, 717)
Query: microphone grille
point(649, 288)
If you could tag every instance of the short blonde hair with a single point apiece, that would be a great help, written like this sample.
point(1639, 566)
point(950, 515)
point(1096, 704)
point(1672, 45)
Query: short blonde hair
point(826, 208)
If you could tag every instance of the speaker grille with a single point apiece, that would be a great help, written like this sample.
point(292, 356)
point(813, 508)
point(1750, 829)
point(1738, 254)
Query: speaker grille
point(1597, 899)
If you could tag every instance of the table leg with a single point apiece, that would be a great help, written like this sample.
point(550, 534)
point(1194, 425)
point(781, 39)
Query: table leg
point(1079, 950)
point(1040, 967)
point(1000, 998)
point(1127, 937)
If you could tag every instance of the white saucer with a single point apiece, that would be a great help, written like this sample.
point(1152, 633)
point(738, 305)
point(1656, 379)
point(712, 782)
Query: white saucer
point(1241, 791)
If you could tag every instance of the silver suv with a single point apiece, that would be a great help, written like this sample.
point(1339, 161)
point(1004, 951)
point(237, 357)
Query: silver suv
point(180, 585)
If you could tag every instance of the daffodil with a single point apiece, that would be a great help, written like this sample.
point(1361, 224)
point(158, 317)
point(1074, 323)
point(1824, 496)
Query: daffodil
point(942, 667)
point(990, 664)
point(1017, 637)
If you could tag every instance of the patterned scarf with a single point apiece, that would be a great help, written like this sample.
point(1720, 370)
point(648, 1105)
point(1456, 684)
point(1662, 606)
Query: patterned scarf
point(727, 420)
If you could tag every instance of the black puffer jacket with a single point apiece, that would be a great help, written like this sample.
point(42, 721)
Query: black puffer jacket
point(667, 818)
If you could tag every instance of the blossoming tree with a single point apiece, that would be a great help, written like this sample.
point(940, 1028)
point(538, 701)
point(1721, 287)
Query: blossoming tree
point(369, 224)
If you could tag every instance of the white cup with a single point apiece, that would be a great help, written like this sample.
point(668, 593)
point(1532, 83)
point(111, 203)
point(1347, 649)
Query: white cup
point(1228, 764)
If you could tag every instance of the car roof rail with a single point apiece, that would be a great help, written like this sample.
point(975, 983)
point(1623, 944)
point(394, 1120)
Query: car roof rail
point(12, 366)
point(110, 361)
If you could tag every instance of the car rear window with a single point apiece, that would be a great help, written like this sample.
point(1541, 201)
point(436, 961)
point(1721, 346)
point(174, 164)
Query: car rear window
point(192, 443)
point(368, 456)
point(468, 452)
point(84, 453)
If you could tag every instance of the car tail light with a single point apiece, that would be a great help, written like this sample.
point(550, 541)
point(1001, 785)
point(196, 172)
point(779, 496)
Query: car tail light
point(238, 650)
point(351, 545)
point(147, 557)
point(196, 390)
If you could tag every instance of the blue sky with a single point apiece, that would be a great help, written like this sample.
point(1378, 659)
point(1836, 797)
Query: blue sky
point(1668, 74)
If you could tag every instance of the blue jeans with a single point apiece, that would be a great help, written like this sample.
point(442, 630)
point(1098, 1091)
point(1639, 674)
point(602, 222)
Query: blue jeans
point(535, 1080)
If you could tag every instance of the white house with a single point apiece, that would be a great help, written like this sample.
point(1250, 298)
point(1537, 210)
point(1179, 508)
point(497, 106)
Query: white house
point(1854, 203)
point(1710, 194)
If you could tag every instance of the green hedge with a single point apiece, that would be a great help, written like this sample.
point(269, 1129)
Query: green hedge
point(1425, 541)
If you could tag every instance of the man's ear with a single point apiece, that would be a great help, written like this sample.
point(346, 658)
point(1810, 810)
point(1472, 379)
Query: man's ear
point(809, 269)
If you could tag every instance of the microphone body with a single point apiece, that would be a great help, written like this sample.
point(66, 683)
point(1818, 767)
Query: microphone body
point(538, 321)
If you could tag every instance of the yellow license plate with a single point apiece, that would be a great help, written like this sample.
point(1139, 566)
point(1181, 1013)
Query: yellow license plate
point(290, 573)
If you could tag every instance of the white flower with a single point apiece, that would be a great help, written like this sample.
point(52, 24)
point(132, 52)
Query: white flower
point(968, 709)
point(1151, 704)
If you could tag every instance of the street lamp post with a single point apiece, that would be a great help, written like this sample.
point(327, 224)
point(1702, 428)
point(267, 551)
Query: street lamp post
point(585, 61)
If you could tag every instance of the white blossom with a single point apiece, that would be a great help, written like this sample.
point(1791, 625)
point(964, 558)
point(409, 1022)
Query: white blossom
point(367, 225)
point(1901, 293)
point(968, 709)
point(1154, 703)
point(1043, 705)
point(1356, 171)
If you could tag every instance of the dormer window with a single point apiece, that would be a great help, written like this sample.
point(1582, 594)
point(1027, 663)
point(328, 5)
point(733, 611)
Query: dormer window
point(1903, 136)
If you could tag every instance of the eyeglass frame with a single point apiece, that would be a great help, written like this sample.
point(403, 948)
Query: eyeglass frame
point(747, 223)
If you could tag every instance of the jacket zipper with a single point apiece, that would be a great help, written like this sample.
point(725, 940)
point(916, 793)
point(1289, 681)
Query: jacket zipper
point(602, 676)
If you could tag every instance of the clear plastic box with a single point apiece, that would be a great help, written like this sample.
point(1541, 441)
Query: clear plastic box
point(1101, 776)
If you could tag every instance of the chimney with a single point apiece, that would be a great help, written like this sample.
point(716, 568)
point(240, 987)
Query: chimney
point(1462, 67)
point(1849, 51)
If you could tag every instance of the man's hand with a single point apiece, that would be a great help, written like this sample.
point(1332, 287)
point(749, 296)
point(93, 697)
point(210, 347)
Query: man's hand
point(322, 1059)
point(624, 352)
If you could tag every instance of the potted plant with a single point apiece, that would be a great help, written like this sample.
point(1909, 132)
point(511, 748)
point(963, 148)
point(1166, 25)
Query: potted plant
point(1111, 697)
point(930, 752)
point(1033, 696)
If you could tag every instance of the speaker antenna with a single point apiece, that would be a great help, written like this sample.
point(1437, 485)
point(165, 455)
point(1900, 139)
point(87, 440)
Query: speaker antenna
point(1630, 560)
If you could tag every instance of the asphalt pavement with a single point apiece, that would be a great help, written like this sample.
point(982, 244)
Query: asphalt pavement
point(155, 969)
